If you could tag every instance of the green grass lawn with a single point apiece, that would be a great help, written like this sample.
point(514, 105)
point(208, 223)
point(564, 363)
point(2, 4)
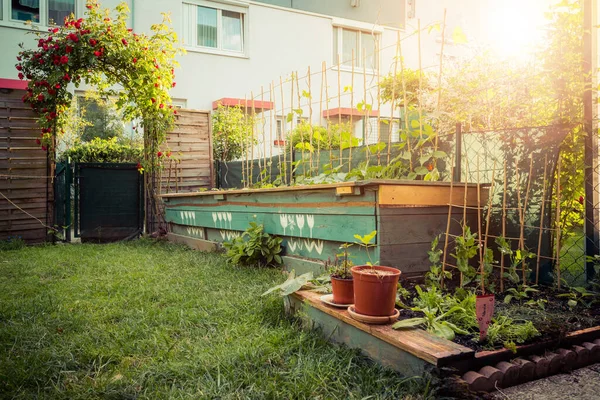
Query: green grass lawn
point(151, 320)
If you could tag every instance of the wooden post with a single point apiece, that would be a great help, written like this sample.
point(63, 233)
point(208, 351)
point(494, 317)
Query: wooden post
point(489, 211)
point(439, 99)
point(524, 263)
point(479, 236)
point(503, 230)
point(447, 233)
point(558, 224)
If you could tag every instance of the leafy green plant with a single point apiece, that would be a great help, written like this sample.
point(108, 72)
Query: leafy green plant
point(254, 247)
point(232, 131)
point(365, 243)
point(519, 293)
point(292, 284)
point(436, 274)
point(466, 247)
point(580, 295)
point(539, 303)
point(505, 330)
point(517, 257)
point(434, 321)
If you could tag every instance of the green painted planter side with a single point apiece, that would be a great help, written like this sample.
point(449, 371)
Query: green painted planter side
point(313, 223)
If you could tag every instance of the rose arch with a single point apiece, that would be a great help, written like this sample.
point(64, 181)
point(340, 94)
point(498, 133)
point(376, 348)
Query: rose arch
point(101, 51)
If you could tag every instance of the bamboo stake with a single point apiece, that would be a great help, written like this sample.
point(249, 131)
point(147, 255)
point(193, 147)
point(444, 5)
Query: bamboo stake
point(366, 117)
point(450, 202)
point(252, 143)
point(339, 109)
point(397, 55)
point(169, 177)
point(320, 114)
point(379, 103)
point(246, 143)
point(489, 211)
point(464, 220)
point(558, 223)
point(439, 99)
point(291, 130)
point(503, 229)
point(520, 211)
point(351, 112)
point(310, 115)
point(404, 105)
point(272, 101)
point(480, 239)
point(327, 112)
point(299, 110)
point(262, 132)
point(524, 266)
point(420, 89)
point(539, 252)
point(284, 136)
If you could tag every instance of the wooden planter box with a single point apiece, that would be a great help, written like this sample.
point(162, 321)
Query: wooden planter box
point(315, 220)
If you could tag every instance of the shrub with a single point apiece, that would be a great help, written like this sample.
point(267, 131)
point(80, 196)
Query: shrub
point(321, 138)
point(103, 150)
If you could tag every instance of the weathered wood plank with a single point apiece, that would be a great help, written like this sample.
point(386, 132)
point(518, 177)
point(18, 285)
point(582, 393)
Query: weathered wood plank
point(196, 244)
point(403, 195)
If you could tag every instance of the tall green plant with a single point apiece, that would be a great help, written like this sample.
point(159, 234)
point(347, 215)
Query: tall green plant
point(232, 133)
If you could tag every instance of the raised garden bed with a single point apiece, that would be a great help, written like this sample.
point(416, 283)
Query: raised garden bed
point(314, 220)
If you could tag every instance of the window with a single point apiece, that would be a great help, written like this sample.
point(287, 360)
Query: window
point(279, 132)
point(360, 44)
point(47, 12)
point(219, 28)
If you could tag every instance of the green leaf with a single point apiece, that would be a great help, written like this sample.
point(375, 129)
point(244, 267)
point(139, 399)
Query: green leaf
point(439, 154)
point(415, 123)
point(408, 323)
point(572, 303)
point(421, 170)
point(458, 36)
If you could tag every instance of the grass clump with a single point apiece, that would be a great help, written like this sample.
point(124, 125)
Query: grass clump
point(148, 320)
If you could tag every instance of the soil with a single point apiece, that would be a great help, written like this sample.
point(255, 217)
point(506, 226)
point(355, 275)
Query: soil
point(554, 322)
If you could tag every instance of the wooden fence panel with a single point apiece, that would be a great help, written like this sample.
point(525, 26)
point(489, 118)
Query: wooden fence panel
point(23, 172)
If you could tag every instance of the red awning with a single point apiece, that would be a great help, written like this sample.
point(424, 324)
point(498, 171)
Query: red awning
point(13, 84)
point(348, 112)
point(258, 105)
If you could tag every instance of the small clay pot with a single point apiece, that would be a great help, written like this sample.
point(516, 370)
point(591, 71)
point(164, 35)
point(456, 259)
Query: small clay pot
point(375, 294)
point(343, 290)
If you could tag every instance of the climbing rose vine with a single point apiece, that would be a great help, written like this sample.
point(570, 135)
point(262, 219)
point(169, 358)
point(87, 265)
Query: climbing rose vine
point(101, 51)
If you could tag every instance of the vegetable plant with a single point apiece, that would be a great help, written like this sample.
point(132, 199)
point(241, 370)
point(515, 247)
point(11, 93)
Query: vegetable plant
point(580, 295)
point(342, 264)
point(466, 248)
point(434, 321)
point(254, 247)
point(519, 293)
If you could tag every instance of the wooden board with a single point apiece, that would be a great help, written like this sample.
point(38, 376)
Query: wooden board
point(409, 195)
point(419, 343)
point(196, 244)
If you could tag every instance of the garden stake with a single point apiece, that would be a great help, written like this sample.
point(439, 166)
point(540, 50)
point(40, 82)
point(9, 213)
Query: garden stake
point(282, 169)
point(489, 211)
point(539, 252)
point(245, 145)
point(420, 90)
point(503, 230)
point(439, 99)
point(310, 138)
point(251, 175)
point(320, 115)
point(365, 109)
point(262, 133)
point(524, 211)
point(464, 220)
point(272, 101)
point(397, 55)
point(351, 111)
point(480, 239)
point(339, 107)
point(558, 222)
point(521, 221)
point(404, 105)
point(299, 109)
point(450, 202)
point(378, 104)
point(169, 176)
point(292, 167)
point(327, 107)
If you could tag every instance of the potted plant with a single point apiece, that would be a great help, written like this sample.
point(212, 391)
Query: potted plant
point(374, 286)
point(342, 284)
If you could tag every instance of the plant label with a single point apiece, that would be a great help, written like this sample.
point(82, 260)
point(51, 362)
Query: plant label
point(484, 306)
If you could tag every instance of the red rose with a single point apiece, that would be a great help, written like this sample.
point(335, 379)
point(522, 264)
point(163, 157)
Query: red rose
point(580, 199)
point(159, 154)
point(124, 42)
point(89, 6)
point(153, 100)
point(40, 97)
point(66, 77)
point(38, 141)
point(44, 148)
point(134, 60)
point(156, 85)
point(68, 49)
point(21, 76)
point(93, 42)
point(57, 86)
point(64, 59)
point(168, 154)
point(19, 67)
point(174, 83)
point(51, 92)
point(161, 106)
point(97, 53)
point(55, 30)
point(49, 39)
point(129, 30)
point(175, 112)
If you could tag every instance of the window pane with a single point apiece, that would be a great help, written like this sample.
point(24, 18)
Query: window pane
point(207, 27)
point(59, 9)
point(232, 31)
point(349, 43)
point(25, 10)
point(368, 50)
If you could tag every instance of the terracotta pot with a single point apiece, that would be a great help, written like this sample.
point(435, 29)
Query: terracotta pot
point(375, 294)
point(343, 290)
